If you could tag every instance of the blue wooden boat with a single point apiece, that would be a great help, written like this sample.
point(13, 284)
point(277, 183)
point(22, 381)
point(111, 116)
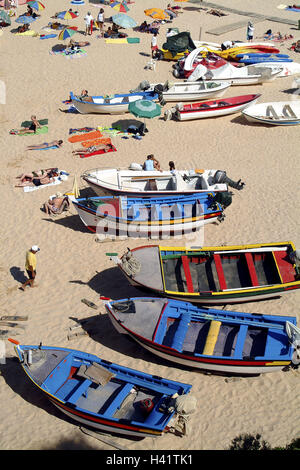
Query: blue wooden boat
point(218, 341)
point(152, 216)
point(110, 104)
point(101, 394)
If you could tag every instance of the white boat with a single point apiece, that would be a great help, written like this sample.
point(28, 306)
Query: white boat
point(183, 91)
point(114, 104)
point(282, 113)
point(248, 75)
point(288, 68)
point(208, 109)
point(114, 181)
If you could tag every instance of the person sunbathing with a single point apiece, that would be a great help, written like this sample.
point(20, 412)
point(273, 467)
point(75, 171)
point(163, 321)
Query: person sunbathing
point(39, 181)
point(23, 28)
point(31, 129)
point(36, 174)
point(45, 145)
point(73, 43)
point(56, 205)
point(92, 149)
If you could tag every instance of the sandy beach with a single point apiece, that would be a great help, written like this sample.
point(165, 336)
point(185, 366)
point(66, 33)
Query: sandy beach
point(71, 265)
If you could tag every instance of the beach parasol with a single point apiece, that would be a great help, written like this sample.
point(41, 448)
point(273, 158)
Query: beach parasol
point(144, 109)
point(25, 19)
point(124, 21)
point(67, 33)
point(120, 6)
point(156, 13)
point(36, 5)
point(4, 18)
point(66, 15)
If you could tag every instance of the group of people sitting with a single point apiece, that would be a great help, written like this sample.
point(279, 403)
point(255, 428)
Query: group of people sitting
point(113, 32)
point(149, 28)
point(152, 164)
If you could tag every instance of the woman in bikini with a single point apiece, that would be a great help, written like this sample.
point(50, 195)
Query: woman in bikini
point(45, 145)
point(92, 149)
point(36, 180)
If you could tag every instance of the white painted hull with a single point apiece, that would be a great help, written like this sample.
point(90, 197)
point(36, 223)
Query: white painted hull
point(258, 113)
point(92, 108)
point(103, 427)
point(111, 228)
point(288, 68)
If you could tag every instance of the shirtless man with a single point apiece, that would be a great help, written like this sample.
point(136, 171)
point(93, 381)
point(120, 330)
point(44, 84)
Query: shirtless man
point(35, 174)
point(38, 181)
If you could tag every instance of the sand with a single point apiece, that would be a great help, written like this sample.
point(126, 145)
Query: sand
point(72, 266)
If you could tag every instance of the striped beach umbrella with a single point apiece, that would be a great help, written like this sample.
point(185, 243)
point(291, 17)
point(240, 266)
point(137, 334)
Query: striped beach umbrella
point(67, 33)
point(144, 109)
point(36, 5)
point(120, 6)
point(66, 15)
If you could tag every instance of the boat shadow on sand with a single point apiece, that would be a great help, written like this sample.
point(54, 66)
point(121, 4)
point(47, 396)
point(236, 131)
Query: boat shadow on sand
point(19, 383)
point(243, 122)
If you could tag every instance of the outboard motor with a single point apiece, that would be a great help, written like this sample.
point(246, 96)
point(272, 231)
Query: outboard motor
point(143, 86)
point(224, 198)
point(221, 177)
point(159, 90)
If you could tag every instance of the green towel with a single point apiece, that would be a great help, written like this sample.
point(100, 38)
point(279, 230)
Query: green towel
point(133, 40)
point(40, 130)
point(43, 122)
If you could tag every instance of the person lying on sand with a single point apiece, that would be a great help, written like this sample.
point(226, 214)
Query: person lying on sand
point(92, 149)
point(56, 205)
point(216, 12)
point(39, 181)
point(46, 145)
point(23, 28)
point(36, 174)
point(31, 129)
point(73, 43)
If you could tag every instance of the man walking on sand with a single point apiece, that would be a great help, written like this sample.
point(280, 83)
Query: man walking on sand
point(30, 266)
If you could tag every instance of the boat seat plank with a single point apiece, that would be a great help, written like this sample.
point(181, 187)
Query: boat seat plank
point(181, 331)
point(118, 400)
point(251, 268)
point(271, 113)
point(79, 391)
point(220, 272)
point(238, 353)
point(288, 112)
point(285, 267)
point(212, 337)
point(187, 272)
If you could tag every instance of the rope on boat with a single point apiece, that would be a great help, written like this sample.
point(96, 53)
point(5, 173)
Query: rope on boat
point(130, 264)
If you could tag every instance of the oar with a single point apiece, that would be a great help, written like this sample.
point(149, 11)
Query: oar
point(249, 322)
point(6, 323)
point(98, 436)
point(14, 318)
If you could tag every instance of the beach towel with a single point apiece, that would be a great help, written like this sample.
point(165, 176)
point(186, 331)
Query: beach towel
point(48, 148)
point(48, 36)
point(101, 140)
point(70, 55)
point(42, 122)
point(112, 131)
point(98, 152)
point(122, 41)
point(87, 136)
point(27, 33)
point(82, 129)
point(57, 180)
point(40, 130)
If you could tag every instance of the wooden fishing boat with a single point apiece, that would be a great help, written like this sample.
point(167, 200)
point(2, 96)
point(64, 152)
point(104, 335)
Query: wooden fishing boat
point(208, 339)
point(213, 275)
point(185, 91)
point(206, 109)
point(150, 217)
point(114, 104)
point(282, 113)
point(247, 75)
point(140, 183)
point(101, 394)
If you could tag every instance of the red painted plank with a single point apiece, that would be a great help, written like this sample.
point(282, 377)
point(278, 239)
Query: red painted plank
point(189, 282)
point(220, 271)
point(251, 267)
point(285, 267)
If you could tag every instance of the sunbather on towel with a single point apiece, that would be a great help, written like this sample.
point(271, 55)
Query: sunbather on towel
point(73, 43)
point(38, 181)
point(56, 205)
point(31, 129)
point(46, 145)
point(37, 174)
point(92, 149)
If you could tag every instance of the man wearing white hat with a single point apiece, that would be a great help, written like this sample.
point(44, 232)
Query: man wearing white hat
point(30, 266)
